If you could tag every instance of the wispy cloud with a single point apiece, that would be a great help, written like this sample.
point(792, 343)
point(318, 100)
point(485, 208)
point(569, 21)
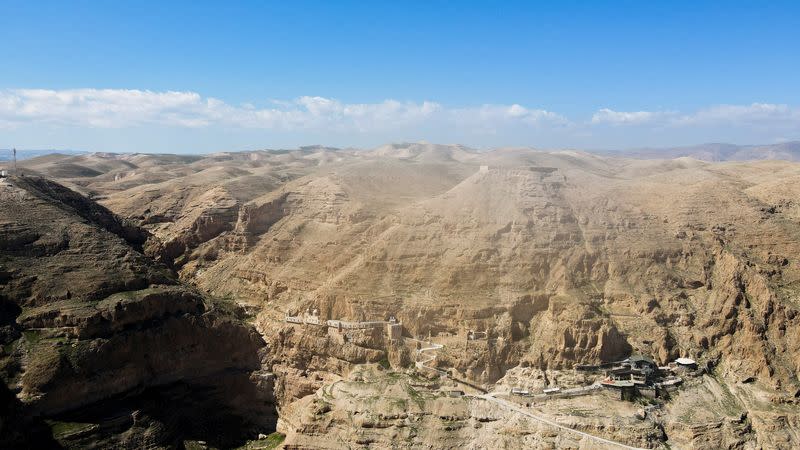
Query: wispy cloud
point(753, 114)
point(37, 110)
point(756, 114)
point(611, 117)
point(106, 108)
point(118, 108)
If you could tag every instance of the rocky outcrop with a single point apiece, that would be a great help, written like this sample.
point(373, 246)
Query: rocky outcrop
point(73, 203)
point(95, 323)
point(568, 334)
point(60, 375)
point(302, 357)
point(256, 218)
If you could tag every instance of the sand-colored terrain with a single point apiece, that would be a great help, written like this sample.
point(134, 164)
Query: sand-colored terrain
point(560, 257)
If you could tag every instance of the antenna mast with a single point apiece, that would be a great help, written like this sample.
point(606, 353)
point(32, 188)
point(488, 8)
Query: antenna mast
point(15, 161)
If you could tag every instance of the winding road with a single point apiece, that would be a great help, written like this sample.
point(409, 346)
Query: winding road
point(421, 364)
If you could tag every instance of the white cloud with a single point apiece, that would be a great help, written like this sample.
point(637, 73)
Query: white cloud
point(104, 108)
point(120, 108)
point(493, 117)
point(754, 115)
point(611, 117)
point(36, 110)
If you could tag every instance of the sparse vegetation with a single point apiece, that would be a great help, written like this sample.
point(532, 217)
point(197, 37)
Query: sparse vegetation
point(272, 441)
point(64, 429)
point(416, 396)
point(32, 337)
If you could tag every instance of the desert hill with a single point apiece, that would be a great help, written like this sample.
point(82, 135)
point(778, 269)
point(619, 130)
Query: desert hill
point(786, 151)
point(562, 258)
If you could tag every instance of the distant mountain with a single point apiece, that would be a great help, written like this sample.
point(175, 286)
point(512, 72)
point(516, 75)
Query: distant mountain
point(789, 151)
point(7, 155)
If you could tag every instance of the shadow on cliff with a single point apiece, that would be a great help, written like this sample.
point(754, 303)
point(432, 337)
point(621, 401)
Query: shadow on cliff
point(17, 430)
point(224, 411)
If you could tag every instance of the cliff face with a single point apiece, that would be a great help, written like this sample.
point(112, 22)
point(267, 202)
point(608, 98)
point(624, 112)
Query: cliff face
point(562, 258)
point(89, 318)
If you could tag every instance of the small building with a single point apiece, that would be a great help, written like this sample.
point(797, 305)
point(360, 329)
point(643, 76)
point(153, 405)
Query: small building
point(686, 363)
point(455, 393)
point(473, 335)
point(635, 376)
point(484, 168)
point(637, 369)
point(620, 389)
point(3, 173)
point(520, 391)
point(294, 319)
point(552, 390)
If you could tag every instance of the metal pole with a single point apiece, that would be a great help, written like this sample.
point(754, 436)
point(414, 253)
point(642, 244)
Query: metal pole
point(15, 160)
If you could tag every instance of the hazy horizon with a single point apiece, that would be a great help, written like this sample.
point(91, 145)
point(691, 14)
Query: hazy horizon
point(25, 153)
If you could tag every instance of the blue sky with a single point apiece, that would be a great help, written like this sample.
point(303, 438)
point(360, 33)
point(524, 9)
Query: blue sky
point(197, 76)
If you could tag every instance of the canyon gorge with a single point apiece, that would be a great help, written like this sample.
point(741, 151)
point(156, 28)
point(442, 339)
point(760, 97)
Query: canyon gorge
point(145, 298)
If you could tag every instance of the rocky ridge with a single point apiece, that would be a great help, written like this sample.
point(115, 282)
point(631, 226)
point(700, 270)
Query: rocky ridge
point(562, 258)
point(93, 325)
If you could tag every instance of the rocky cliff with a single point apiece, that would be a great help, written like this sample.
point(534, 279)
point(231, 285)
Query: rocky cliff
point(561, 258)
point(93, 325)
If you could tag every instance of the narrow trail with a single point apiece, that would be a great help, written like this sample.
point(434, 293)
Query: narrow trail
point(432, 347)
point(491, 398)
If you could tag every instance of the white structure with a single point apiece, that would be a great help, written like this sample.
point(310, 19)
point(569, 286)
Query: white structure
point(473, 335)
point(520, 391)
point(394, 329)
point(294, 319)
point(686, 362)
point(353, 325)
point(484, 168)
point(310, 317)
point(3, 173)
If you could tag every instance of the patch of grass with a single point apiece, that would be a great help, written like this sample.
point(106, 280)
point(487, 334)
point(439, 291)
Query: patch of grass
point(55, 340)
point(416, 396)
point(385, 363)
point(32, 337)
point(394, 376)
point(193, 445)
point(646, 401)
point(64, 429)
point(272, 441)
point(400, 403)
point(578, 412)
point(728, 402)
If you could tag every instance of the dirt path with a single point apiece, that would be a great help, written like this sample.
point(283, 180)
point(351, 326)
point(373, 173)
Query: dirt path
point(491, 397)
